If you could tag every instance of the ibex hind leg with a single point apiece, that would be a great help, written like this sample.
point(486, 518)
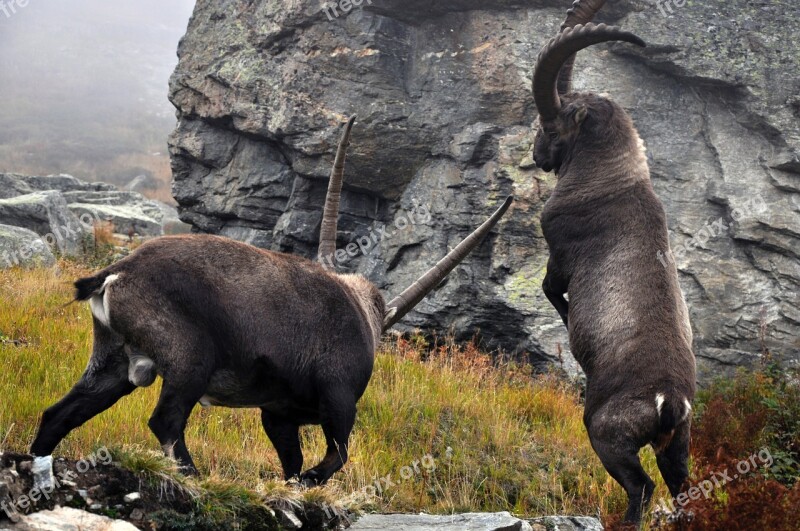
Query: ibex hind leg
point(103, 383)
point(185, 382)
point(618, 450)
point(338, 412)
point(673, 460)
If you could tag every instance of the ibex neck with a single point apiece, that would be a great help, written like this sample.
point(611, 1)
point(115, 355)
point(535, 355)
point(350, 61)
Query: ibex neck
point(369, 300)
point(599, 171)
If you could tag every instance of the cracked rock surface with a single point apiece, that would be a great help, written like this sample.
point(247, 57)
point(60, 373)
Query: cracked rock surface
point(442, 91)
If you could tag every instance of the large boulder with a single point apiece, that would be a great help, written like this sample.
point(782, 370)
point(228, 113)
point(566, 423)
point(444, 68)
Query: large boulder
point(12, 185)
point(129, 212)
point(64, 209)
point(442, 90)
point(46, 214)
point(23, 248)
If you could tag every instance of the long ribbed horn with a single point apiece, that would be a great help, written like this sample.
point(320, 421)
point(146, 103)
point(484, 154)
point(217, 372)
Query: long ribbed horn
point(405, 302)
point(330, 216)
point(556, 52)
point(581, 12)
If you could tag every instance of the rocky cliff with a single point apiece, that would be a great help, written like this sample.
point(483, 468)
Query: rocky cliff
point(442, 91)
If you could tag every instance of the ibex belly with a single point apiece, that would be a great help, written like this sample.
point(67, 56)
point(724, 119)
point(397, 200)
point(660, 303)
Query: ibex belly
point(229, 388)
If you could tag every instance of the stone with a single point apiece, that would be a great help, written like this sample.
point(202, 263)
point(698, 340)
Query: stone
point(23, 248)
point(566, 523)
point(42, 470)
point(502, 521)
point(288, 519)
point(91, 204)
point(67, 519)
point(12, 185)
point(442, 90)
point(132, 497)
point(46, 213)
point(129, 212)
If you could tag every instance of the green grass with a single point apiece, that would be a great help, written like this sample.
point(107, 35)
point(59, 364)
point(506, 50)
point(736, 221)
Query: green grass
point(483, 437)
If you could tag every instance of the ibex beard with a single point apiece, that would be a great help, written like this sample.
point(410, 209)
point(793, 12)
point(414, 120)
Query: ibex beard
point(627, 321)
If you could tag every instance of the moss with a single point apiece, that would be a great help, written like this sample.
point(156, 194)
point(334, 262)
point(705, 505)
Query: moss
point(525, 283)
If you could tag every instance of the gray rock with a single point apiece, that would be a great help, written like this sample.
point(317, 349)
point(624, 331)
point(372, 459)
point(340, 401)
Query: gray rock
point(131, 497)
point(288, 519)
point(67, 519)
point(442, 90)
point(12, 185)
point(127, 211)
point(566, 523)
point(23, 248)
point(456, 522)
point(45, 213)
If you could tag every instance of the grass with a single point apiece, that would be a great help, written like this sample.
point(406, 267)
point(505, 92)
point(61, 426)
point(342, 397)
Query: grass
point(450, 429)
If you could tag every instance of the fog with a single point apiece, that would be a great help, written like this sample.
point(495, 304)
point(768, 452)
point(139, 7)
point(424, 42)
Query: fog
point(85, 83)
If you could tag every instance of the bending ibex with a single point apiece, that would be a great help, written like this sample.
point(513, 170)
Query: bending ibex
point(227, 324)
point(627, 320)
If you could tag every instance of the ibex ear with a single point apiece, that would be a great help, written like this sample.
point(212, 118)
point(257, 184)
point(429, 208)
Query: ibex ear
point(580, 115)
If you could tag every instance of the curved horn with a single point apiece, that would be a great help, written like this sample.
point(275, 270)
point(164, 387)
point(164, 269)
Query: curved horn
point(556, 52)
point(330, 216)
point(405, 302)
point(581, 12)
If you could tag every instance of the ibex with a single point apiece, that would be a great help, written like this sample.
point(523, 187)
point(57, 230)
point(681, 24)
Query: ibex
point(226, 324)
point(605, 228)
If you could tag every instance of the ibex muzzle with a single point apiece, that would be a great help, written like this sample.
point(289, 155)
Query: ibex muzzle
point(627, 320)
point(224, 323)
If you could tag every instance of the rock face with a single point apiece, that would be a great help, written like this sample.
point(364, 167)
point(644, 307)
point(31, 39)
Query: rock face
point(442, 90)
point(63, 210)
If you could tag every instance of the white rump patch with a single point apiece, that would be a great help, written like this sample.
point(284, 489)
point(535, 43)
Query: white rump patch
point(688, 408)
point(659, 403)
point(99, 301)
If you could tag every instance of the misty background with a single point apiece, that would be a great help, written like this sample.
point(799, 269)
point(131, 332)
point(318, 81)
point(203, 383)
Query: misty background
point(84, 88)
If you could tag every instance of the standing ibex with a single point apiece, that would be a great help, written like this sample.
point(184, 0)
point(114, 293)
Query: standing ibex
point(627, 320)
point(227, 324)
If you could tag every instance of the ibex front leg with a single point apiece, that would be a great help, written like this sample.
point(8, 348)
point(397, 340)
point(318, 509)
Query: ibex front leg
point(554, 287)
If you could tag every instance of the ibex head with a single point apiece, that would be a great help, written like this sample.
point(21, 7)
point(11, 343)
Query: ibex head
point(565, 117)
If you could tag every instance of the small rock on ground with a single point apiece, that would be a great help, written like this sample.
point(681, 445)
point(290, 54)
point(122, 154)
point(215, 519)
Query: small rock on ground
point(67, 519)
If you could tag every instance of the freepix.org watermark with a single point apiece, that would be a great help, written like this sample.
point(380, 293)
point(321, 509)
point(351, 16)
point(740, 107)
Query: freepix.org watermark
point(25, 502)
point(10, 7)
point(713, 229)
point(704, 489)
point(419, 215)
point(343, 7)
point(380, 485)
